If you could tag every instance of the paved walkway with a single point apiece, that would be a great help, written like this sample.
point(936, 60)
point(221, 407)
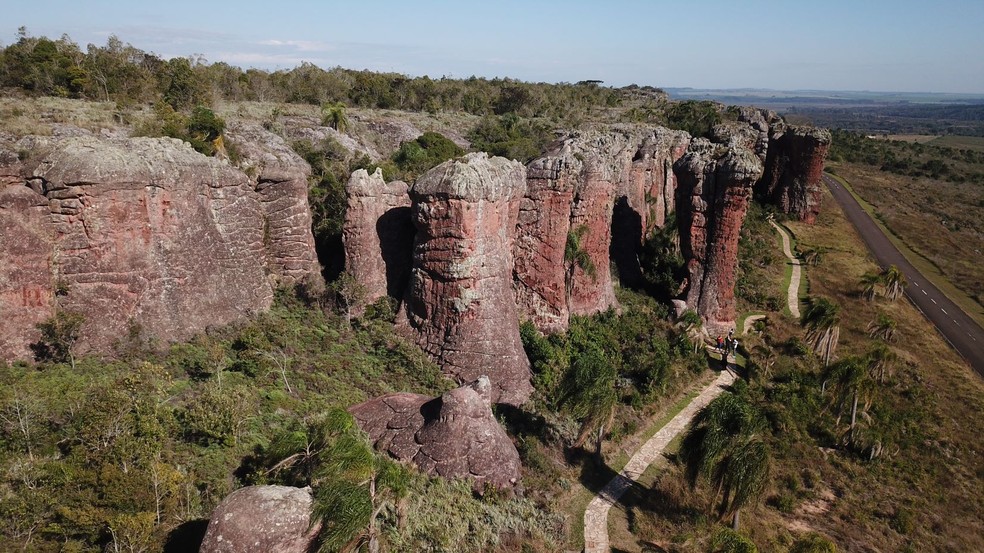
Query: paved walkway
point(596, 515)
point(749, 321)
point(792, 294)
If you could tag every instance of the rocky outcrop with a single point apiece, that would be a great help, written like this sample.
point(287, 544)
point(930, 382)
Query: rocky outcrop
point(568, 207)
point(715, 186)
point(271, 519)
point(280, 179)
point(794, 170)
point(453, 436)
point(378, 235)
point(148, 232)
point(460, 306)
point(645, 198)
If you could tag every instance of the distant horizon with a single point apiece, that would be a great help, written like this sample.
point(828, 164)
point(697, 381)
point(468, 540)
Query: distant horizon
point(842, 46)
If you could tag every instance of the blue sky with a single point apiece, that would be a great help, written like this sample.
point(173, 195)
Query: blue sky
point(883, 45)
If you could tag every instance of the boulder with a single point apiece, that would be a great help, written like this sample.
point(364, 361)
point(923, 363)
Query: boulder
point(452, 436)
point(715, 186)
point(793, 171)
point(262, 519)
point(378, 235)
point(460, 306)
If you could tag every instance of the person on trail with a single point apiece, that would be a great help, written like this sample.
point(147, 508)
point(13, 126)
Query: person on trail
point(720, 344)
point(734, 347)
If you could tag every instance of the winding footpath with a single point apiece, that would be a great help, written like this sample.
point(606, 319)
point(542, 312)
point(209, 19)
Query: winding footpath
point(596, 515)
point(792, 294)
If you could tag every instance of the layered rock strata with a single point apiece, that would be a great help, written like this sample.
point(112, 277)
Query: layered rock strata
point(715, 186)
point(272, 519)
point(794, 171)
point(453, 436)
point(280, 180)
point(460, 306)
point(378, 235)
point(567, 210)
point(144, 232)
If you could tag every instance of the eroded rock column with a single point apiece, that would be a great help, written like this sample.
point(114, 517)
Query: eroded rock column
point(794, 171)
point(378, 235)
point(715, 186)
point(460, 307)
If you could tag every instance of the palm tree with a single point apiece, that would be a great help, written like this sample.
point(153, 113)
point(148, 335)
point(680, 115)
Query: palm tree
point(814, 256)
point(869, 285)
point(894, 282)
point(693, 327)
point(576, 257)
point(588, 390)
point(724, 447)
point(881, 361)
point(883, 327)
point(850, 381)
point(351, 484)
point(821, 320)
point(333, 115)
point(765, 357)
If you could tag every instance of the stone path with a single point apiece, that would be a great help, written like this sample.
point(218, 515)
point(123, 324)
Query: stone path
point(792, 295)
point(749, 321)
point(596, 515)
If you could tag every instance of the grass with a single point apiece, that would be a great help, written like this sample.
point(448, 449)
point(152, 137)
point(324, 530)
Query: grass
point(927, 266)
point(960, 142)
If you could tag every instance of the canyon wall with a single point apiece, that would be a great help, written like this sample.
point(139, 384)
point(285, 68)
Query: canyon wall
point(147, 232)
point(794, 169)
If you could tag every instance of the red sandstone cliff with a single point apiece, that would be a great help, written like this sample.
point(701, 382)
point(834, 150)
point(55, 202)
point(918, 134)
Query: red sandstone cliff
point(144, 231)
point(715, 186)
point(453, 436)
point(460, 306)
point(793, 171)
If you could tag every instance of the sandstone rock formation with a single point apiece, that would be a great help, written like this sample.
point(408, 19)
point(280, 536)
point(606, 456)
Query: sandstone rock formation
point(570, 197)
point(378, 234)
point(271, 519)
point(715, 186)
point(144, 231)
point(645, 198)
point(459, 306)
point(453, 436)
point(280, 177)
point(793, 171)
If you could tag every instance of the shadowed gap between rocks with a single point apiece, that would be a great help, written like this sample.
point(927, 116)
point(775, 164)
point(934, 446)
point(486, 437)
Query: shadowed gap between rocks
point(396, 232)
point(625, 246)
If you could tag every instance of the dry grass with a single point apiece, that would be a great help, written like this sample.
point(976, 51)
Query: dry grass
point(923, 494)
point(940, 222)
point(42, 116)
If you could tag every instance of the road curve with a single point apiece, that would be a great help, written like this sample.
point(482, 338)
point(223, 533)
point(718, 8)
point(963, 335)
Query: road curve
point(962, 332)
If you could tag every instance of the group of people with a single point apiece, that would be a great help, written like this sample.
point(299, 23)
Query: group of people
point(728, 346)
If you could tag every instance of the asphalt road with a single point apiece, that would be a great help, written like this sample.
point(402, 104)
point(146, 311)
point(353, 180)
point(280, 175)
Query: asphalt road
point(963, 333)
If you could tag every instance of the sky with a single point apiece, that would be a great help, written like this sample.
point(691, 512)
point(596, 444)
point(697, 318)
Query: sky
point(876, 45)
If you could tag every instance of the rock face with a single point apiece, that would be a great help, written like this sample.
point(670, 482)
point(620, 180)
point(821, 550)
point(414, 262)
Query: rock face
point(645, 198)
point(280, 178)
point(715, 186)
point(146, 231)
point(460, 306)
point(793, 171)
point(378, 234)
point(453, 436)
point(271, 519)
point(570, 196)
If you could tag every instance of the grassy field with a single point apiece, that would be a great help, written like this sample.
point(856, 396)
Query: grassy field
point(941, 222)
point(960, 142)
point(921, 494)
